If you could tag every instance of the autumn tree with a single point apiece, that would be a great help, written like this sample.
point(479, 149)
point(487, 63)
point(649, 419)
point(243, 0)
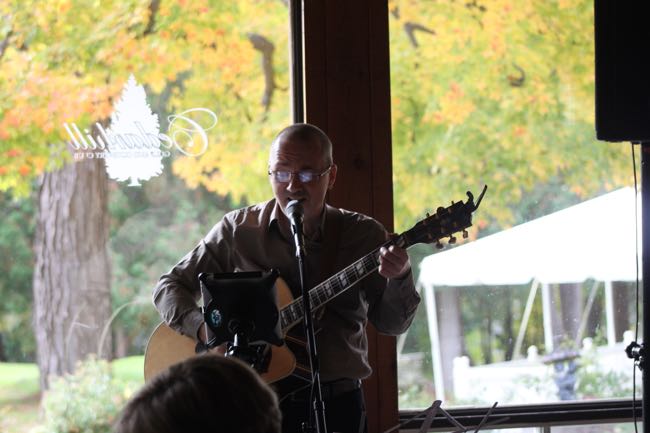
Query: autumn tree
point(65, 62)
point(495, 92)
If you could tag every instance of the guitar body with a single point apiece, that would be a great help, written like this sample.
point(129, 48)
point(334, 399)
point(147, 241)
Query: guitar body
point(167, 347)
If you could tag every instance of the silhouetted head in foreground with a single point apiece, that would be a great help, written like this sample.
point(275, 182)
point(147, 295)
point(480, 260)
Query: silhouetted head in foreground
point(204, 394)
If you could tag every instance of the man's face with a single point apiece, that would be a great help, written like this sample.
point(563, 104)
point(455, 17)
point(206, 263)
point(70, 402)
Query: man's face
point(295, 156)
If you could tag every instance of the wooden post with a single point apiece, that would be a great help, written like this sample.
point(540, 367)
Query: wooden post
point(347, 94)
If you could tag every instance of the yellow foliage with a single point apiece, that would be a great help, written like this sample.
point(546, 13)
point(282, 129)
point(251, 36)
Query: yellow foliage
point(78, 58)
point(502, 94)
point(454, 107)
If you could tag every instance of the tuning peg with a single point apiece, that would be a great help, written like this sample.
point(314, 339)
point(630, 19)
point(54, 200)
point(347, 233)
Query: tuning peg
point(452, 239)
point(439, 245)
point(465, 234)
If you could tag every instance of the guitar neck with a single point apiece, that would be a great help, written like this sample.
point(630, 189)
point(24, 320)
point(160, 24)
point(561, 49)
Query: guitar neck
point(338, 283)
point(445, 222)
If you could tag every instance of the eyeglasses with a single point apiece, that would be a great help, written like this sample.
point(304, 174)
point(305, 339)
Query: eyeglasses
point(304, 176)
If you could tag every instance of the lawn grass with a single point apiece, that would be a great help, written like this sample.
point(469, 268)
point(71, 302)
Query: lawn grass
point(18, 382)
point(20, 391)
point(129, 369)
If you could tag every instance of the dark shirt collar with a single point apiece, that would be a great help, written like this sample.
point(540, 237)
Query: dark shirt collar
point(279, 221)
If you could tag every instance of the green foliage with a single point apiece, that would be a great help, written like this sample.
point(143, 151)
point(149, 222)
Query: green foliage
point(141, 251)
point(596, 381)
point(87, 401)
point(475, 350)
point(129, 369)
point(16, 233)
point(543, 199)
point(17, 381)
point(416, 396)
point(491, 318)
point(20, 391)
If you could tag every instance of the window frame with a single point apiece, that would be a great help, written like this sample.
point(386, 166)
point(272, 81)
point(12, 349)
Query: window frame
point(330, 28)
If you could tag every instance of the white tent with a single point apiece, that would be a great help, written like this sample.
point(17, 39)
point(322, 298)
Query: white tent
point(595, 239)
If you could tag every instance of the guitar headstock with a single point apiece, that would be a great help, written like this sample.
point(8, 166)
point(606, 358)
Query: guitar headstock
point(445, 222)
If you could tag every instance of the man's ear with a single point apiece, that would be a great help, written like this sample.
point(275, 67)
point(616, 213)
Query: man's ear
point(332, 177)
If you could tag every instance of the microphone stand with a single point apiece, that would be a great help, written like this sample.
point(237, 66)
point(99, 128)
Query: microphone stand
point(295, 212)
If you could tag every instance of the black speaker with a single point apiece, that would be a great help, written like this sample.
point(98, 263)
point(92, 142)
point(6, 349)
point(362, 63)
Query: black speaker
point(622, 33)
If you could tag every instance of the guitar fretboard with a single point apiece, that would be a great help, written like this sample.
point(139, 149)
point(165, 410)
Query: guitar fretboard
point(445, 222)
point(333, 286)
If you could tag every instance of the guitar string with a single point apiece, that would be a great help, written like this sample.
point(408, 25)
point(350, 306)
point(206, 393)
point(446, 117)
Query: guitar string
point(353, 275)
point(369, 263)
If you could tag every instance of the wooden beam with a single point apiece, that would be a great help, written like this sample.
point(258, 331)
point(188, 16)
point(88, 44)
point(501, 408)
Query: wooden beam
point(347, 94)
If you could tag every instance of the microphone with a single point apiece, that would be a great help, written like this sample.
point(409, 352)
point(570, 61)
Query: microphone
point(295, 212)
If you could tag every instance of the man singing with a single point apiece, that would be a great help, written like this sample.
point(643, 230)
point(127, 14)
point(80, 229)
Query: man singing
point(259, 238)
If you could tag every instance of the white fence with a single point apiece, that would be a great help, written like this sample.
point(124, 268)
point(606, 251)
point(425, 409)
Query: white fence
point(603, 372)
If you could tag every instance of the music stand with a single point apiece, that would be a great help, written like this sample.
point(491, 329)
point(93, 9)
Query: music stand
point(240, 309)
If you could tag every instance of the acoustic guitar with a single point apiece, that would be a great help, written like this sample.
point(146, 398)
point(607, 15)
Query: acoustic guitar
point(167, 347)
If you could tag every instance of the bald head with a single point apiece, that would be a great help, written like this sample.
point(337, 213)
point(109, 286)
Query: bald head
point(305, 133)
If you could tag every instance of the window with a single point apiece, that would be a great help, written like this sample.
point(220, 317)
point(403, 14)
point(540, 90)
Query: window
point(187, 96)
point(536, 306)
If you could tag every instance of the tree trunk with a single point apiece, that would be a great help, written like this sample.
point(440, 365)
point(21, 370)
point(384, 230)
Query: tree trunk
point(595, 318)
point(122, 343)
point(72, 300)
point(557, 329)
point(508, 339)
point(621, 308)
point(571, 301)
point(3, 355)
point(451, 333)
point(486, 340)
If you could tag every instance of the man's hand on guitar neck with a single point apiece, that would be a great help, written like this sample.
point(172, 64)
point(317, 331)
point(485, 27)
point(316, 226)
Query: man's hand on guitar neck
point(394, 262)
